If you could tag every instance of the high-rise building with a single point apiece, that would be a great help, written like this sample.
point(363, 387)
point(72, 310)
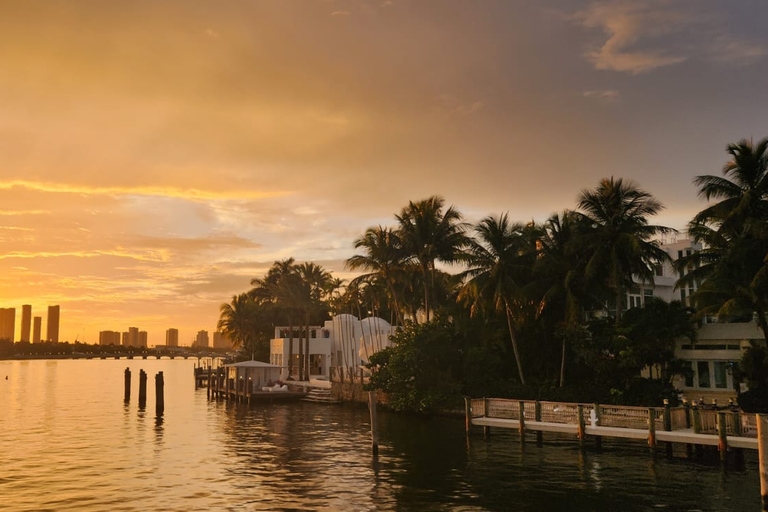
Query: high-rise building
point(26, 322)
point(8, 324)
point(221, 340)
point(131, 338)
point(109, 338)
point(201, 340)
point(37, 329)
point(53, 323)
point(172, 338)
point(143, 339)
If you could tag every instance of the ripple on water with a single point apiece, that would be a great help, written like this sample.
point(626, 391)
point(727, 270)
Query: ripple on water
point(66, 450)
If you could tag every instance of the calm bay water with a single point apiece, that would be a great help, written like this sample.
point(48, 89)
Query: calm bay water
point(68, 442)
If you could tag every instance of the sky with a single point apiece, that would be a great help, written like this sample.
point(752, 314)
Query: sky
point(155, 155)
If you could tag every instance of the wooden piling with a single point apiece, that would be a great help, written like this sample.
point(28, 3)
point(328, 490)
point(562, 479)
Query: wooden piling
point(159, 394)
point(127, 385)
point(486, 429)
point(762, 448)
point(142, 388)
point(582, 427)
point(374, 423)
point(722, 436)
point(598, 439)
point(651, 429)
point(537, 417)
point(668, 427)
point(467, 415)
point(210, 382)
point(521, 413)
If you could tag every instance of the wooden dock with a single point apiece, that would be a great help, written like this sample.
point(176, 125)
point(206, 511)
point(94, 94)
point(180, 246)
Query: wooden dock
point(221, 387)
point(690, 425)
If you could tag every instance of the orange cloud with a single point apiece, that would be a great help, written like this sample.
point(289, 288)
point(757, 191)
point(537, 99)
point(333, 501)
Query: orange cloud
point(192, 194)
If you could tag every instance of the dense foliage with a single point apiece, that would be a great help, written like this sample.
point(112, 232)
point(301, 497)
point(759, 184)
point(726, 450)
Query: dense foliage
point(536, 310)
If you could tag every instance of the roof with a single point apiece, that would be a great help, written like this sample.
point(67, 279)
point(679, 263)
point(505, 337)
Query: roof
point(732, 331)
point(253, 364)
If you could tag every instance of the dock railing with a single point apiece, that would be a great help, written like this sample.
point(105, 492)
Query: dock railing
point(699, 420)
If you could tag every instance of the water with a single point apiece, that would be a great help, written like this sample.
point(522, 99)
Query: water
point(68, 442)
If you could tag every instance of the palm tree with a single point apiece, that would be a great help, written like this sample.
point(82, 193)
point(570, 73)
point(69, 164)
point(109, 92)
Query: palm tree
point(732, 267)
point(620, 242)
point(315, 280)
point(236, 320)
point(559, 269)
point(428, 234)
point(282, 286)
point(742, 190)
point(499, 267)
point(382, 256)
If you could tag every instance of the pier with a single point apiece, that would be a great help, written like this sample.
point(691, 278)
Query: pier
point(688, 425)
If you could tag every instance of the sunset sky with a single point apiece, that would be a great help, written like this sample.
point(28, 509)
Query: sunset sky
point(157, 155)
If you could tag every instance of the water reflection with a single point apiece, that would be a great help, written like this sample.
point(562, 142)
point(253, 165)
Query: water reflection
point(214, 455)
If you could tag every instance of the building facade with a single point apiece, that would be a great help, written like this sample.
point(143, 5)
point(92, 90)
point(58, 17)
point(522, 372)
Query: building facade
point(109, 338)
point(8, 324)
point(54, 313)
point(172, 338)
point(26, 322)
point(201, 340)
point(37, 329)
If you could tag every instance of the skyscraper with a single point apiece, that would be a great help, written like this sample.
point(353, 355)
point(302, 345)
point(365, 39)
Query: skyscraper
point(221, 340)
point(131, 338)
point(8, 323)
point(53, 323)
point(202, 339)
point(26, 322)
point(143, 339)
point(37, 329)
point(172, 338)
point(109, 338)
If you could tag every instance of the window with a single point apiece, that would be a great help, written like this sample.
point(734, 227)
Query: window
point(702, 369)
point(721, 374)
point(688, 373)
point(658, 270)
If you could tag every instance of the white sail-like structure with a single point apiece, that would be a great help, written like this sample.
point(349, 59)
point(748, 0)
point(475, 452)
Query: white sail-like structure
point(374, 336)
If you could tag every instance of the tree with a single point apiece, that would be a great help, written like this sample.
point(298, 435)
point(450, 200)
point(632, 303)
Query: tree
point(238, 321)
point(281, 286)
point(732, 268)
point(620, 242)
point(382, 256)
point(500, 262)
point(559, 270)
point(315, 280)
point(429, 233)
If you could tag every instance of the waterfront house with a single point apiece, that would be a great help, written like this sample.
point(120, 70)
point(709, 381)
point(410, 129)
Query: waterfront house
point(342, 342)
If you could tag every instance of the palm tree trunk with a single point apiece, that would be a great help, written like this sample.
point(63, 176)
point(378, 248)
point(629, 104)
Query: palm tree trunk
point(618, 303)
point(306, 350)
point(425, 271)
point(562, 364)
point(394, 300)
point(514, 345)
point(290, 349)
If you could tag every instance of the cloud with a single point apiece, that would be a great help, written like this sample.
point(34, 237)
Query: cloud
point(606, 96)
point(13, 213)
point(645, 35)
point(174, 192)
point(629, 27)
point(341, 13)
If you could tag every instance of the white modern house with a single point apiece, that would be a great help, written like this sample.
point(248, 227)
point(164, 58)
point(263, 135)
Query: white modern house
point(342, 342)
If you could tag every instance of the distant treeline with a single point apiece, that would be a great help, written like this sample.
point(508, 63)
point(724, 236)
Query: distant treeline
point(9, 349)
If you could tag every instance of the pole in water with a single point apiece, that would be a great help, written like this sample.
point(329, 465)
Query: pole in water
point(159, 394)
point(142, 388)
point(374, 423)
point(762, 447)
point(127, 384)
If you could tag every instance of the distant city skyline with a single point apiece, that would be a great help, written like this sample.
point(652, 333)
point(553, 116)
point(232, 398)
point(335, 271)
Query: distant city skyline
point(157, 156)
